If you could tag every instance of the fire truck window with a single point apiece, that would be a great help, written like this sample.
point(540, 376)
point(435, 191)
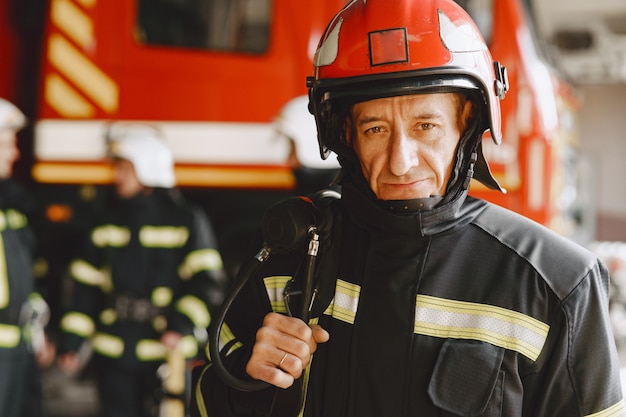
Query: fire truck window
point(224, 25)
point(481, 12)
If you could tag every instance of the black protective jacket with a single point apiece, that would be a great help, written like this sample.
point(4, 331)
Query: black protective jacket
point(17, 250)
point(148, 265)
point(464, 310)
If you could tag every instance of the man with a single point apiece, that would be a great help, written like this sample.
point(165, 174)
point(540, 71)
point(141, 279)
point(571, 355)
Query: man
point(23, 312)
point(147, 281)
point(440, 304)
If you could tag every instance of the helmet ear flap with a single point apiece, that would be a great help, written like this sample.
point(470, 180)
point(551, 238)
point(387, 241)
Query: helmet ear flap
point(482, 172)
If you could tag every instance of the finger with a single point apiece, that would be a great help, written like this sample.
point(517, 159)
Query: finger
point(319, 333)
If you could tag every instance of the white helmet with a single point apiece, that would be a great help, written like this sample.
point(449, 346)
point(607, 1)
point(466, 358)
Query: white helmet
point(145, 148)
point(10, 116)
point(296, 123)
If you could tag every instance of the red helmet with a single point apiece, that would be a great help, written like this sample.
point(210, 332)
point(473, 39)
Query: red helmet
point(381, 48)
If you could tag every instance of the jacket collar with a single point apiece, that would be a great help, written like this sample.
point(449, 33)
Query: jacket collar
point(367, 212)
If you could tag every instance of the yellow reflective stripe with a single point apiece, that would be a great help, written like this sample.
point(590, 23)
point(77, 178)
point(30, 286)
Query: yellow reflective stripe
point(275, 287)
point(150, 350)
point(108, 345)
point(199, 397)
point(345, 303)
point(617, 410)
point(226, 336)
point(189, 346)
point(110, 235)
point(108, 316)
point(195, 309)
point(163, 236)
point(87, 274)
point(154, 350)
point(78, 323)
point(16, 219)
point(162, 296)
point(200, 260)
point(4, 277)
point(9, 335)
point(73, 21)
point(508, 329)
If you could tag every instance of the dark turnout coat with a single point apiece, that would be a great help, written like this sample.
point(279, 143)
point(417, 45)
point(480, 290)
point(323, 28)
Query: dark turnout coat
point(467, 309)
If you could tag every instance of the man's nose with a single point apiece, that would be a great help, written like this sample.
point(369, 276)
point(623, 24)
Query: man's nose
point(403, 154)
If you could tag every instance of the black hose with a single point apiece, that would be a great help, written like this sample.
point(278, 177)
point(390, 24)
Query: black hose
point(247, 270)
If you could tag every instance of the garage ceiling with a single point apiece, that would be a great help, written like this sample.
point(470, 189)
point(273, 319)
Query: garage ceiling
point(586, 39)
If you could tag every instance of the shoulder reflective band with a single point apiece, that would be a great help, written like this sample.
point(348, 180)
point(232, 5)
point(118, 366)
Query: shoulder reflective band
point(616, 410)
point(508, 329)
point(163, 236)
point(195, 309)
point(200, 260)
point(110, 235)
point(9, 336)
point(4, 278)
point(345, 303)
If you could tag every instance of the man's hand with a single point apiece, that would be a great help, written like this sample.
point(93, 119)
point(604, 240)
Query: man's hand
point(283, 349)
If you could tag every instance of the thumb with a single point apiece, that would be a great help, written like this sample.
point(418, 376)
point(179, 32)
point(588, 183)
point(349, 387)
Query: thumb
point(319, 334)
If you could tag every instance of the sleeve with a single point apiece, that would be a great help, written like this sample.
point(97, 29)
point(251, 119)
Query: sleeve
point(584, 374)
point(210, 394)
point(203, 277)
point(89, 284)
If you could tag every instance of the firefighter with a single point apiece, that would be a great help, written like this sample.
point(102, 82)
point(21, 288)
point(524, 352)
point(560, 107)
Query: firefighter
point(434, 303)
point(23, 311)
point(296, 124)
point(147, 280)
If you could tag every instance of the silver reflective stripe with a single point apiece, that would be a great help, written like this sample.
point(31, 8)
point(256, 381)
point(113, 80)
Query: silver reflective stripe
point(346, 302)
point(200, 260)
point(9, 335)
point(163, 236)
point(616, 410)
point(508, 329)
point(275, 287)
point(110, 235)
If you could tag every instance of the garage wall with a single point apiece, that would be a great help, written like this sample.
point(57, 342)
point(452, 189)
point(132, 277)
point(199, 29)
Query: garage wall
point(603, 142)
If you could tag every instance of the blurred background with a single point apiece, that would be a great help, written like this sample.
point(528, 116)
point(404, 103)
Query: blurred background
point(213, 75)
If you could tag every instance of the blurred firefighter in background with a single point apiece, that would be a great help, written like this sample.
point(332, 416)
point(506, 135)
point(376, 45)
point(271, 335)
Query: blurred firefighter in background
point(147, 281)
point(23, 311)
point(296, 124)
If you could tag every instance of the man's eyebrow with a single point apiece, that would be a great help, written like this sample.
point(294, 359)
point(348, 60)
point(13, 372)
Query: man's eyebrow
point(421, 116)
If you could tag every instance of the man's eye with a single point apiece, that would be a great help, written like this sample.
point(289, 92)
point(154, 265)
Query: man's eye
point(375, 129)
point(426, 126)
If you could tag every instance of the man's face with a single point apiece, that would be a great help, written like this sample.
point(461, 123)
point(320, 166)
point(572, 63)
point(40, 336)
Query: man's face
point(9, 153)
point(127, 184)
point(407, 144)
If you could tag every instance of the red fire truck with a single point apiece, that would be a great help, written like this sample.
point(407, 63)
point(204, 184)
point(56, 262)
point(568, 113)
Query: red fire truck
point(212, 74)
